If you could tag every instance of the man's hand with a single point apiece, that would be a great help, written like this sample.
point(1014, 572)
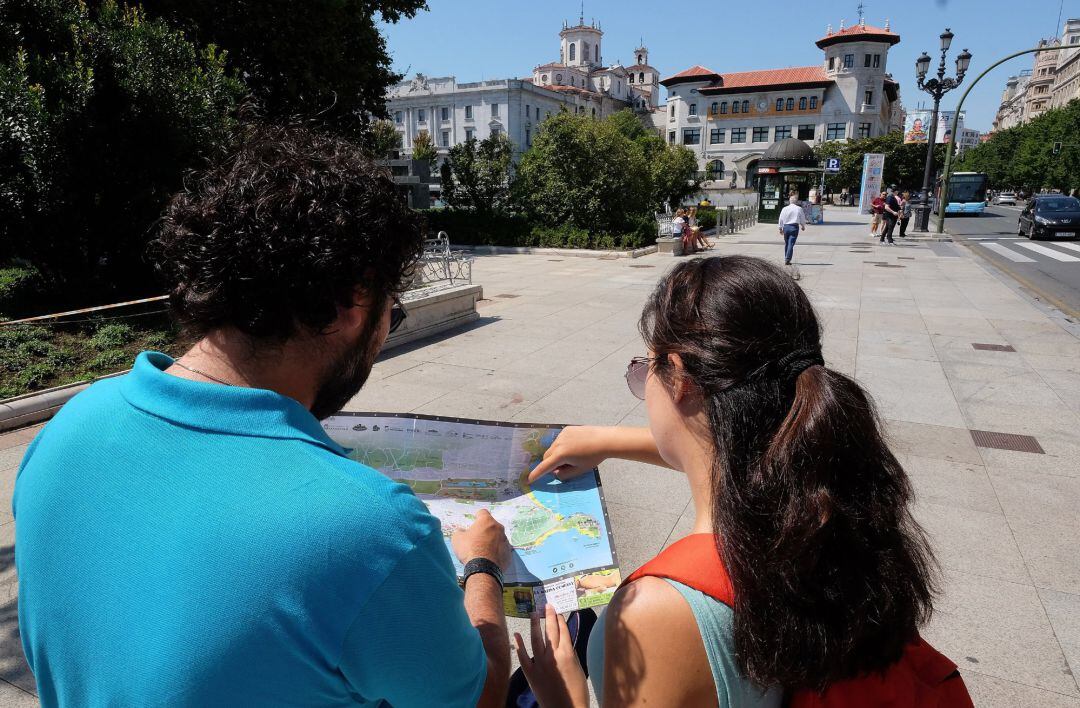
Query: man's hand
point(486, 538)
point(554, 672)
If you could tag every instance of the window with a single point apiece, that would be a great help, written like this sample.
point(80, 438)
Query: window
point(802, 103)
point(745, 106)
point(671, 112)
point(716, 169)
point(445, 112)
point(527, 111)
point(596, 53)
point(528, 137)
point(832, 63)
point(806, 132)
point(572, 82)
point(849, 61)
point(782, 131)
point(538, 113)
point(470, 133)
point(714, 108)
point(397, 117)
point(558, 78)
point(671, 137)
point(641, 77)
point(791, 104)
point(723, 108)
point(631, 78)
point(866, 61)
point(716, 136)
point(494, 110)
point(734, 106)
point(691, 136)
point(836, 131)
point(779, 104)
point(864, 130)
point(813, 102)
point(573, 52)
point(543, 78)
point(446, 138)
point(495, 132)
point(693, 109)
point(877, 61)
point(761, 134)
point(868, 98)
point(594, 113)
point(421, 115)
point(468, 112)
point(738, 135)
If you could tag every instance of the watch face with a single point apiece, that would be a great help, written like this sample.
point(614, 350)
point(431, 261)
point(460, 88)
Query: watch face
point(761, 105)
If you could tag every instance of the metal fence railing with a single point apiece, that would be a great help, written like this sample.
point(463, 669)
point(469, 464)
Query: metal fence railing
point(439, 264)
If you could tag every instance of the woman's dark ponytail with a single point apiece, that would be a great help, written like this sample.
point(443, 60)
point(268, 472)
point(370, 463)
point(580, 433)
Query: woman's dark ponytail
point(832, 575)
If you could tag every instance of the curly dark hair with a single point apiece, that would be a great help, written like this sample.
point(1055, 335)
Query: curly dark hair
point(279, 235)
point(832, 574)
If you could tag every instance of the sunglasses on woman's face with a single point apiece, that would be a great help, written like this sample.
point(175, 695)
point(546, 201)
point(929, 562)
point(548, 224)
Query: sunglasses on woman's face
point(637, 373)
point(397, 315)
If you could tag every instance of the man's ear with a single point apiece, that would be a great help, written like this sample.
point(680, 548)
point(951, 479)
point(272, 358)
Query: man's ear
point(354, 318)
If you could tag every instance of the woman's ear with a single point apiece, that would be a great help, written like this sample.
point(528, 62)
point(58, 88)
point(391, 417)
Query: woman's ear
point(681, 386)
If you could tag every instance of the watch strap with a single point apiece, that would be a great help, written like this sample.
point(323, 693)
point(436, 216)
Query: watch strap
point(485, 566)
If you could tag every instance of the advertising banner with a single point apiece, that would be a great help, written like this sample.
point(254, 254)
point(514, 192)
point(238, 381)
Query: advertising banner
point(872, 167)
point(917, 126)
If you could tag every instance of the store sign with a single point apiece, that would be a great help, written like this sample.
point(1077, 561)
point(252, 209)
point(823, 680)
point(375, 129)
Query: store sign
point(767, 171)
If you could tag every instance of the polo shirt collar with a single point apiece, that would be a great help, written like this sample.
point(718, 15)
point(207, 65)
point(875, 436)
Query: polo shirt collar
point(232, 410)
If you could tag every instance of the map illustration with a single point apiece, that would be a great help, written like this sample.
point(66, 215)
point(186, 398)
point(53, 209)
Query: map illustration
point(563, 550)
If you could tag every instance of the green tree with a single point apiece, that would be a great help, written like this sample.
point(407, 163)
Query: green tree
point(424, 147)
point(382, 138)
point(904, 163)
point(585, 173)
point(323, 58)
point(673, 170)
point(102, 110)
point(477, 174)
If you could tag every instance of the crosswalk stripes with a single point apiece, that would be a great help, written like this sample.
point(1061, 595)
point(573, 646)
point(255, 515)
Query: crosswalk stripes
point(1070, 246)
point(1056, 255)
point(1006, 252)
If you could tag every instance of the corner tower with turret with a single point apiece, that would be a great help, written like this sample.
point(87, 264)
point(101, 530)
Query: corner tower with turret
point(581, 45)
point(645, 78)
point(857, 59)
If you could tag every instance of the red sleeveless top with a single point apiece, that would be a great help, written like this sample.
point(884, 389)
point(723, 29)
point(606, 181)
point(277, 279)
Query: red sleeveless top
point(923, 677)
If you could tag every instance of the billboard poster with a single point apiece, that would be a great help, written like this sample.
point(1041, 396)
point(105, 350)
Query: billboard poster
point(917, 126)
point(872, 167)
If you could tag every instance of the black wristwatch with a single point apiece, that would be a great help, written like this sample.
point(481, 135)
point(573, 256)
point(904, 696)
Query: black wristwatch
point(482, 565)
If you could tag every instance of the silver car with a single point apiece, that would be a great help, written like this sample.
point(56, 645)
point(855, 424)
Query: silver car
point(1005, 198)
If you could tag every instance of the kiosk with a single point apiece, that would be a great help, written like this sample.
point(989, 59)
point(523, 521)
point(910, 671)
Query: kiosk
point(787, 166)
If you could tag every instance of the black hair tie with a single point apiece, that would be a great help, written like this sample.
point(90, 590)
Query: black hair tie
point(790, 366)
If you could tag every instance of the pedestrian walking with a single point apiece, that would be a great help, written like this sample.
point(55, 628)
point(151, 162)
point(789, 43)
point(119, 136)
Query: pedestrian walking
point(877, 207)
point(792, 220)
point(905, 213)
point(890, 213)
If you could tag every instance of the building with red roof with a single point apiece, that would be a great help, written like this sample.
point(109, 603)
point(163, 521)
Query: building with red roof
point(729, 119)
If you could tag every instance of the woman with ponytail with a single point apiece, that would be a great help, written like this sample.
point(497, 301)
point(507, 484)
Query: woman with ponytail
point(805, 578)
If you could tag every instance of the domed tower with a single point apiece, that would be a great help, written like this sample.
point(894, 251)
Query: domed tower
point(856, 59)
point(644, 78)
point(581, 45)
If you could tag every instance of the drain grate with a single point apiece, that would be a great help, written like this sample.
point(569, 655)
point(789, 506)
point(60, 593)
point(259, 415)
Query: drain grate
point(508, 296)
point(992, 347)
point(1006, 441)
point(642, 266)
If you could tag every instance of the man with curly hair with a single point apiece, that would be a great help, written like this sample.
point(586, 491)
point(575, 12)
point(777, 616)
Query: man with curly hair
point(187, 533)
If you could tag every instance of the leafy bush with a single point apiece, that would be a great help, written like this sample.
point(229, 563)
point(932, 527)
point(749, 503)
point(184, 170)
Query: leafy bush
point(19, 286)
point(20, 345)
point(465, 226)
point(111, 336)
point(160, 341)
point(706, 217)
point(109, 362)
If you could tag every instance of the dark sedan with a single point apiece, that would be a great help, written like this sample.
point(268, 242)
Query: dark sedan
point(1050, 216)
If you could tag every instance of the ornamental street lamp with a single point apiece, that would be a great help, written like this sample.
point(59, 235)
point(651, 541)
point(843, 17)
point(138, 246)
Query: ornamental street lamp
point(937, 88)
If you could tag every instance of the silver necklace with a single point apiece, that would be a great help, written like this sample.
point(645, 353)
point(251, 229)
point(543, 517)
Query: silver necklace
point(201, 373)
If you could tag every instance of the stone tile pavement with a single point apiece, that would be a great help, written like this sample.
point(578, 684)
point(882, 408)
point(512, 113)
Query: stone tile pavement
point(556, 332)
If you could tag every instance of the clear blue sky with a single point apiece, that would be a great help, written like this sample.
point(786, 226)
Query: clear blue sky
point(477, 39)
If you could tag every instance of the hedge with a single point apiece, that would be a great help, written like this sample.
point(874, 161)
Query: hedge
point(501, 229)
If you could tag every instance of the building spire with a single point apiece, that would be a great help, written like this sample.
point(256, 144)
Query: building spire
point(581, 17)
point(862, 18)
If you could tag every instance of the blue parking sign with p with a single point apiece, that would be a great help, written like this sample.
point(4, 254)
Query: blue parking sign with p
point(832, 164)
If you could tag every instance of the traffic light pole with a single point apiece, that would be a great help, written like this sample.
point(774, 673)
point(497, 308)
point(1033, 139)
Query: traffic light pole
point(955, 123)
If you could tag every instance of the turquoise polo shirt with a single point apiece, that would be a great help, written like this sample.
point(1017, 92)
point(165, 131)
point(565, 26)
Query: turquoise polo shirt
point(190, 544)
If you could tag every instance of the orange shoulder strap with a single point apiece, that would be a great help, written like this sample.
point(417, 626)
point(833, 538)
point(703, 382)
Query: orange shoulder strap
point(692, 561)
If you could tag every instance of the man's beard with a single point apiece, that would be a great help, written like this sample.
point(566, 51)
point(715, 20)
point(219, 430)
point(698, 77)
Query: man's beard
point(346, 375)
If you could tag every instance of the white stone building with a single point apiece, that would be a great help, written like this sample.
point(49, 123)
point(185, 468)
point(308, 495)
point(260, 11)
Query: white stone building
point(452, 112)
point(1067, 72)
point(730, 119)
point(1013, 101)
point(1053, 81)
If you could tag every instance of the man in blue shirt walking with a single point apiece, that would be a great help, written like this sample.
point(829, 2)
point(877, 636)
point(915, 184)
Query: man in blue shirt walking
point(187, 534)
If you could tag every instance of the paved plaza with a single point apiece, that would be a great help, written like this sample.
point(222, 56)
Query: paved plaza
point(556, 332)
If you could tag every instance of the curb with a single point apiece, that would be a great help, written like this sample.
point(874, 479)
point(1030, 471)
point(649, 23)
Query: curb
point(35, 407)
point(573, 252)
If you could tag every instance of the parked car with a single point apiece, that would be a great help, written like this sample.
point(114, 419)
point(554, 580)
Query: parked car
point(1050, 215)
point(1006, 198)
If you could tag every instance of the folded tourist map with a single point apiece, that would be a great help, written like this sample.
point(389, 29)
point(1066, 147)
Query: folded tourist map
point(563, 550)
